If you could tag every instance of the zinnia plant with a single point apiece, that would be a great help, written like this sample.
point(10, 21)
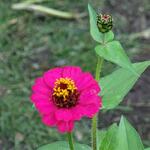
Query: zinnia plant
point(65, 94)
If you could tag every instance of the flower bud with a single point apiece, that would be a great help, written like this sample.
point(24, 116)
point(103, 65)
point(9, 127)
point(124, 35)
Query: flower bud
point(104, 23)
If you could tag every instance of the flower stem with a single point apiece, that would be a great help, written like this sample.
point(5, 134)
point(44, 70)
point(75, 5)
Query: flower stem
point(70, 140)
point(94, 126)
point(98, 68)
point(94, 119)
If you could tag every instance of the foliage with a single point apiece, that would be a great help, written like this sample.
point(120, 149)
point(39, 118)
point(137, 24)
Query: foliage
point(63, 146)
point(116, 85)
point(124, 77)
point(122, 137)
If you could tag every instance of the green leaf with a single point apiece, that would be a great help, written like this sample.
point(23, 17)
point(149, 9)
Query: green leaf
point(109, 141)
point(128, 138)
point(96, 35)
point(147, 148)
point(108, 36)
point(116, 85)
point(100, 136)
point(114, 53)
point(62, 145)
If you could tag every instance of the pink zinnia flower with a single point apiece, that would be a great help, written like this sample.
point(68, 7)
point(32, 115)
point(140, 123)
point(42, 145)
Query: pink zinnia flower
point(64, 95)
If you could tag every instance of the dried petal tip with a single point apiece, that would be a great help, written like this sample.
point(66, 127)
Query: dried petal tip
point(104, 23)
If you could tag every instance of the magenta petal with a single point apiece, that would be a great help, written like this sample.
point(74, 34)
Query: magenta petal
point(40, 86)
point(65, 126)
point(86, 81)
point(45, 108)
point(91, 106)
point(72, 72)
point(49, 120)
point(51, 76)
point(63, 114)
point(77, 112)
point(43, 103)
point(87, 97)
point(40, 89)
point(35, 97)
point(71, 126)
point(90, 110)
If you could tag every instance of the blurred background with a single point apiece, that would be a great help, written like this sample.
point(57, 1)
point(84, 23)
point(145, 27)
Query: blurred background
point(32, 42)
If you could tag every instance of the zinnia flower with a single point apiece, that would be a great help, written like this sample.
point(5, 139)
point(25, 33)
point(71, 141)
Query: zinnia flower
point(64, 95)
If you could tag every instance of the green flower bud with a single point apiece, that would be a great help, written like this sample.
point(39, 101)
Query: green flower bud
point(104, 23)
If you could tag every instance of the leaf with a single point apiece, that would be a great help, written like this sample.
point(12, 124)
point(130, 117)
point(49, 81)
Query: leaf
point(100, 136)
point(114, 53)
point(62, 145)
point(109, 141)
point(96, 35)
point(116, 85)
point(128, 138)
point(108, 36)
point(147, 148)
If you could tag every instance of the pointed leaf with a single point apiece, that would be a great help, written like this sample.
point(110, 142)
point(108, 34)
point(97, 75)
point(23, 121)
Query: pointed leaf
point(114, 53)
point(109, 141)
point(100, 136)
point(62, 145)
point(96, 35)
point(116, 85)
point(128, 138)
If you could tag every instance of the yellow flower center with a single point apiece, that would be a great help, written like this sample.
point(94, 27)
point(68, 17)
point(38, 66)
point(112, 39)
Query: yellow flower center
point(65, 94)
point(63, 87)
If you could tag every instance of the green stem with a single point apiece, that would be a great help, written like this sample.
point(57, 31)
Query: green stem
point(94, 126)
point(70, 140)
point(94, 119)
point(98, 68)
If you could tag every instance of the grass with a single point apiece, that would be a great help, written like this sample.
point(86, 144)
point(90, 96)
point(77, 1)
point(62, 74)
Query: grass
point(30, 44)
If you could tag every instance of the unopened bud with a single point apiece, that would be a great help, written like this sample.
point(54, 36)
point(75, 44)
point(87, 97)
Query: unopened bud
point(104, 23)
